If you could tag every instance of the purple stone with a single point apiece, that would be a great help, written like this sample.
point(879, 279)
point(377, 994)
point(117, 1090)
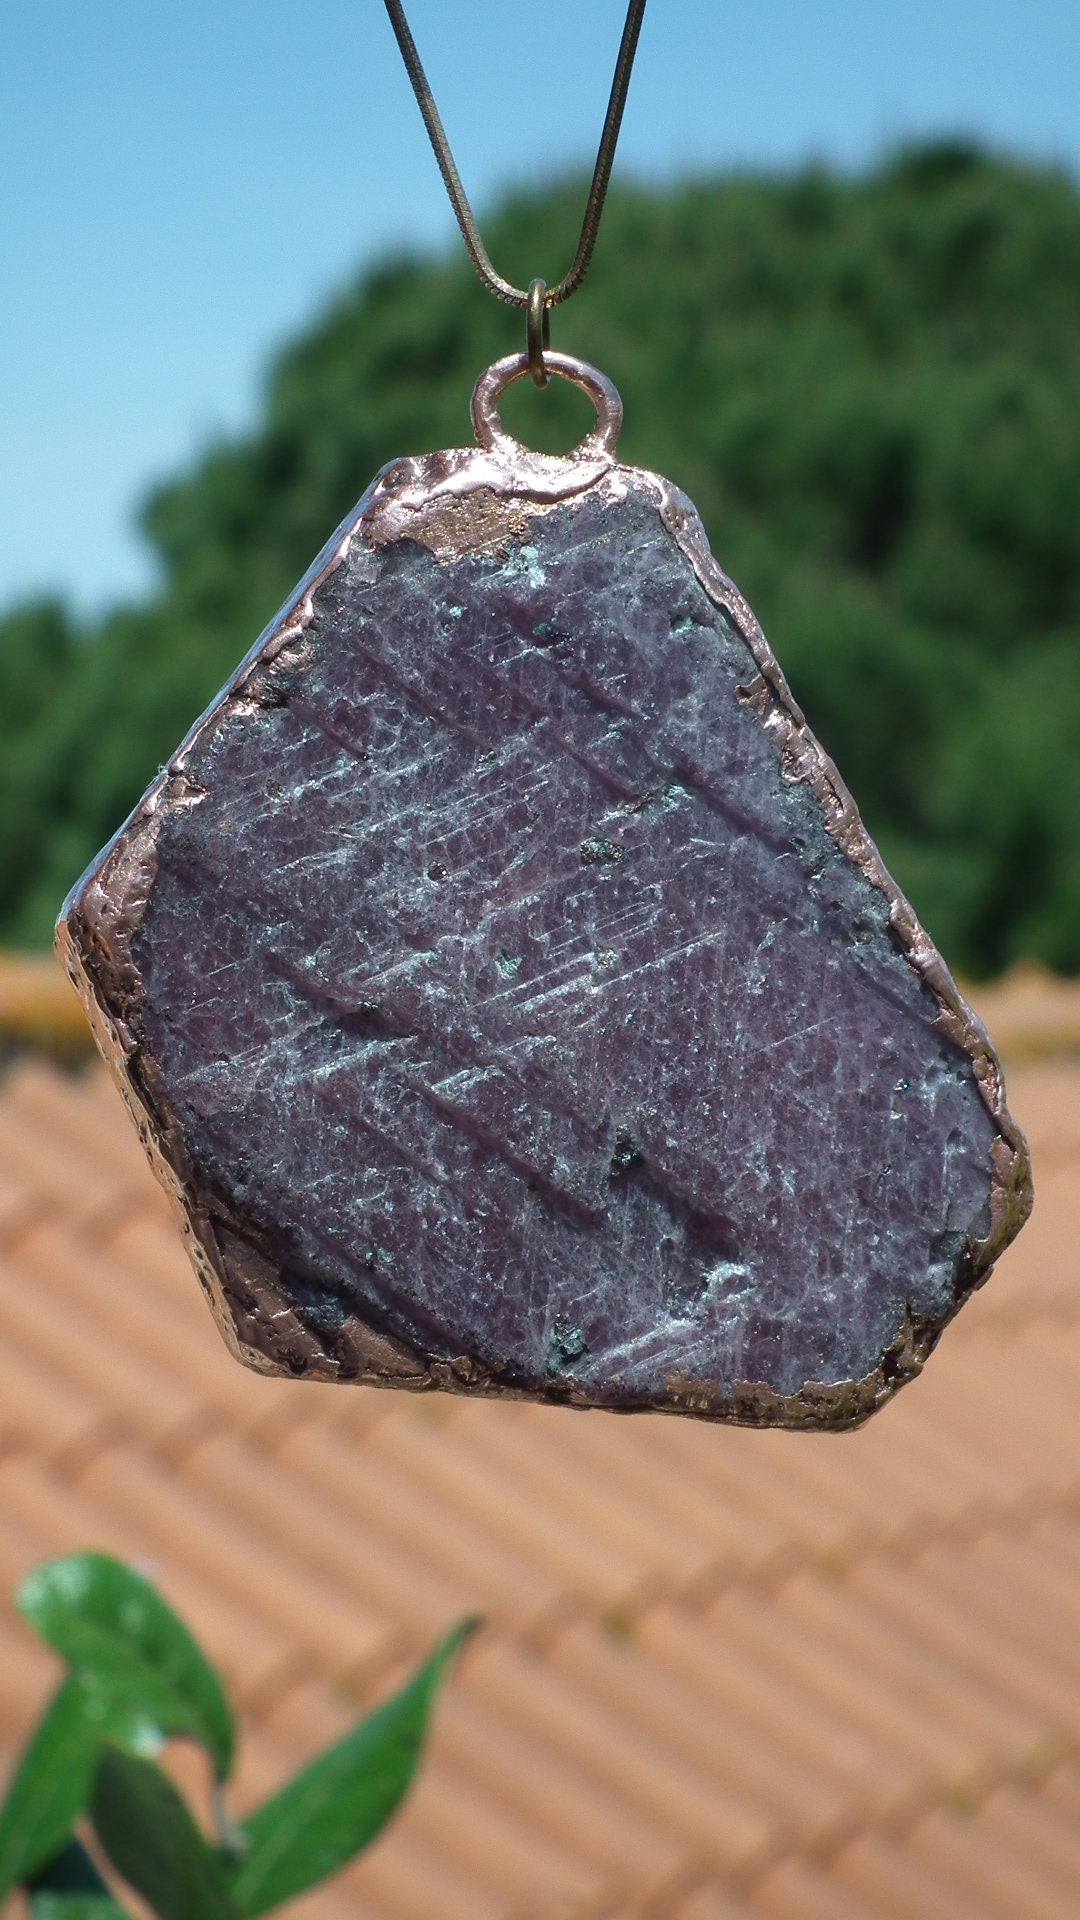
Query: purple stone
point(511, 998)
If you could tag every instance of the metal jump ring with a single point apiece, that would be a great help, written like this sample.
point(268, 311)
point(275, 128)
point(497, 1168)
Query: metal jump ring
point(492, 435)
point(537, 330)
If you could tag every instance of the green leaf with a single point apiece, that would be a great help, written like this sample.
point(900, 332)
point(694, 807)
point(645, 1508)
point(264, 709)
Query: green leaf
point(52, 1783)
point(75, 1906)
point(69, 1871)
point(115, 1629)
point(153, 1842)
point(69, 1887)
point(338, 1804)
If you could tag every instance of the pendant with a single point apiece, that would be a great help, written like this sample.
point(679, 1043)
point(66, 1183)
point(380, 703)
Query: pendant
point(508, 994)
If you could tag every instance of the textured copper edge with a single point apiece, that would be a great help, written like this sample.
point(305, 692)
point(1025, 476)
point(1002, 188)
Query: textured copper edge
point(457, 502)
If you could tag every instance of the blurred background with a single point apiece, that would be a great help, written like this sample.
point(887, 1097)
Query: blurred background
point(838, 285)
point(725, 1676)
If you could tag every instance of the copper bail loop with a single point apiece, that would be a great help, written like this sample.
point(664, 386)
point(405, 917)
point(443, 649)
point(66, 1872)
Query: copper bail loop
point(492, 436)
point(537, 330)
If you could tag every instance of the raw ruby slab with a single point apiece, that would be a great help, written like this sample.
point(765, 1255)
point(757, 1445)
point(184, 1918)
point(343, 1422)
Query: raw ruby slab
point(512, 1000)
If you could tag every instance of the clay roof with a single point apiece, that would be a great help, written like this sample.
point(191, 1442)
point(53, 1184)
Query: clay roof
point(724, 1674)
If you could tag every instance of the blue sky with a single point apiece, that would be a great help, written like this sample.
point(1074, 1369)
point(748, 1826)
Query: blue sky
point(183, 185)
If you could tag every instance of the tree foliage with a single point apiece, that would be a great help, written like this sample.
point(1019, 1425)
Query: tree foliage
point(871, 388)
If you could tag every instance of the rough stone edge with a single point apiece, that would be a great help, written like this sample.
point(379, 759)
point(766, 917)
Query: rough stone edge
point(803, 758)
point(457, 502)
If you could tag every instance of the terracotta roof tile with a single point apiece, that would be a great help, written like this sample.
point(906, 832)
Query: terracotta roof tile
point(231, 1474)
point(1033, 1835)
point(496, 1755)
point(893, 1882)
point(725, 1675)
point(1003, 1879)
point(1059, 1792)
point(709, 1903)
point(797, 1889)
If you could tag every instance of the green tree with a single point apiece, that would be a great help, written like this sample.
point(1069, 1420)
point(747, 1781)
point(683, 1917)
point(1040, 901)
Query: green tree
point(871, 388)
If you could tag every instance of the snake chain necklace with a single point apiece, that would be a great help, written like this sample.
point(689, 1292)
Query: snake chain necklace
point(501, 978)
